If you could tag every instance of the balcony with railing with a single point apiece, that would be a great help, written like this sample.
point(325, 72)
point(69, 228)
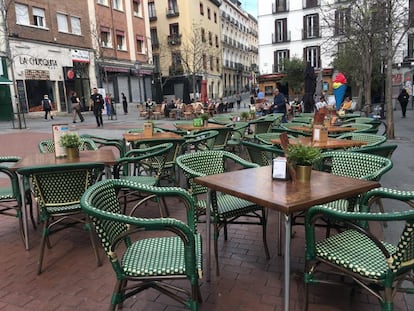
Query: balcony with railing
point(174, 39)
point(310, 34)
point(276, 38)
point(239, 67)
point(172, 12)
point(307, 4)
point(280, 6)
point(176, 70)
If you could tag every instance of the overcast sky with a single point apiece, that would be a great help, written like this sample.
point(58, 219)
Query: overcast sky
point(250, 6)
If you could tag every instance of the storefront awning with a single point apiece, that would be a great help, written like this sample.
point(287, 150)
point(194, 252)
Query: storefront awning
point(115, 69)
point(4, 81)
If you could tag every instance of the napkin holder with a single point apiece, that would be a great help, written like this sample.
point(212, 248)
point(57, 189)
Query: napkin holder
point(148, 129)
point(280, 168)
point(319, 133)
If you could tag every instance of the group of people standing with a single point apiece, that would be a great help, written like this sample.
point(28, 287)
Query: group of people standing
point(96, 104)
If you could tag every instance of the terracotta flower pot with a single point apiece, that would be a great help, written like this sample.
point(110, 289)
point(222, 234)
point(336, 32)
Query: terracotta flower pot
point(303, 173)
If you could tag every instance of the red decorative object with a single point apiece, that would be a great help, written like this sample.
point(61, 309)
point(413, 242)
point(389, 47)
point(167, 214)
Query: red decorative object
point(70, 74)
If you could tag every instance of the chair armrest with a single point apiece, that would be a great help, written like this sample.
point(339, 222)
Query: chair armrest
point(241, 161)
point(356, 216)
point(388, 193)
point(112, 142)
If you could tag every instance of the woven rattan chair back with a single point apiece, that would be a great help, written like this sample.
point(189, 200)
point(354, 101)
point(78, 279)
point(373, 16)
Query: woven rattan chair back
point(354, 164)
point(378, 266)
point(261, 154)
point(146, 262)
point(58, 189)
point(48, 145)
point(370, 139)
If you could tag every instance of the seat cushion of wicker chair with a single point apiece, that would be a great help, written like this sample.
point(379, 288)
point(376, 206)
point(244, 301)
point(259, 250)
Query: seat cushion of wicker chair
point(158, 257)
point(58, 209)
point(146, 180)
point(231, 206)
point(6, 193)
point(366, 259)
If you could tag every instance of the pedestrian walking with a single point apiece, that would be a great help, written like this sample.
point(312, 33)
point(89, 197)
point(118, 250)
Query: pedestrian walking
point(76, 107)
point(96, 104)
point(403, 98)
point(124, 103)
point(47, 106)
point(238, 100)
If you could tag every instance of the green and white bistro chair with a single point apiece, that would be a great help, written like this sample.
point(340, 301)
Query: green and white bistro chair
point(58, 189)
point(358, 256)
point(141, 261)
point(226, 209)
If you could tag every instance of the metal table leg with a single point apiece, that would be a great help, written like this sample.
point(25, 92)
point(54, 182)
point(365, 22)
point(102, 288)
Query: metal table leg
point(208, 234)
point(24, 212)
point(288, 227)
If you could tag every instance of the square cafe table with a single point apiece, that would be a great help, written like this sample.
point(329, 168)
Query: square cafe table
point(331, 143)
point(330, 129)
point(105, 156)
point(191, 127)
point(131, 137)
point(256, 185)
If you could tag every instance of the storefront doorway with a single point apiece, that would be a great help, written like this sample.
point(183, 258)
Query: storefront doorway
point(35, 90)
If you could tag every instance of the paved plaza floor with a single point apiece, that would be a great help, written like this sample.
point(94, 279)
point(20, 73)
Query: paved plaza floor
point(71, 280)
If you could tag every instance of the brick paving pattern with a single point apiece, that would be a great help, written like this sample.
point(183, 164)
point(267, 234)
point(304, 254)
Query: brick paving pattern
point(72, 281)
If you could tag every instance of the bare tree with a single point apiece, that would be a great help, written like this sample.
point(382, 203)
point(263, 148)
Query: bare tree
point(364, 28)
point(354, 29)
point(5, 43)
point(396, 24)
point(197, 54)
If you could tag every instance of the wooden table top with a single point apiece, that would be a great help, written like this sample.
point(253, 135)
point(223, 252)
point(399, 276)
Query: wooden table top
point(191, 127)
point(157, 135)
point(331, 129)
point(256, 185)
point(105, 156)
point(331, 143)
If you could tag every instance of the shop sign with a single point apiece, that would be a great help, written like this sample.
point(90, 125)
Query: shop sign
point(80, 56)
point(37, 74)
point(38, 61)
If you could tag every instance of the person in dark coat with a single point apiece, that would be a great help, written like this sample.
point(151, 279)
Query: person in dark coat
point(124, 103)
point(279, 104)
point(96, 104)
point(403, 98)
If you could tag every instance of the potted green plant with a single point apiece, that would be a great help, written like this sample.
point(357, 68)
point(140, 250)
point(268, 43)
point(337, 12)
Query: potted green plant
point(72, 142)
point(205, 118)
point(244, 115)
point(302, 157)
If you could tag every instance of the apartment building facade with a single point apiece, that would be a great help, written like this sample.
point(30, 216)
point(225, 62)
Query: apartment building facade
point(120, 39)
point(57, 47)
point(290, 29)
point(240, 53)
point(187, 52)
point(50, 51)
point(298, 29)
